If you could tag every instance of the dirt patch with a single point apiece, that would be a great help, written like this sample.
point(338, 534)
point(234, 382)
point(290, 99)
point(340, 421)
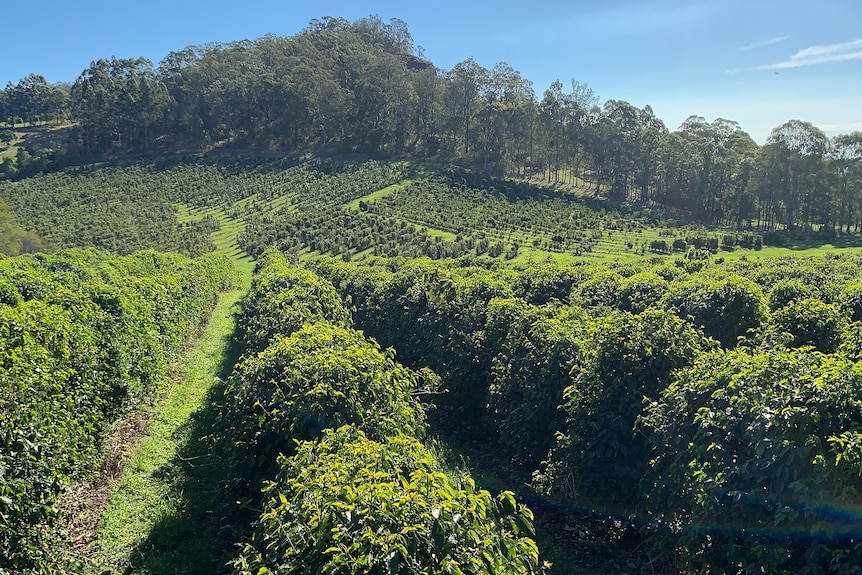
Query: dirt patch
point(83, 504)
point(43, 137)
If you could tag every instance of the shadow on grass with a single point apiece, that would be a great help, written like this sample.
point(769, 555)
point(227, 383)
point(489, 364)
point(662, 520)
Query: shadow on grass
point(201, 538)
point(853, 241)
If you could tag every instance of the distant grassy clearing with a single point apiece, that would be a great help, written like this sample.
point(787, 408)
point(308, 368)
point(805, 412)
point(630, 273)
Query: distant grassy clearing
point(446, 236)
point(224, 238)
point(354, 205)
point(774, 252)
point(11, 150)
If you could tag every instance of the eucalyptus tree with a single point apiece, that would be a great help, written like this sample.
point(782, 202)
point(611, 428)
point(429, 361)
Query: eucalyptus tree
point(620, 137)
point(429, 113)
point(394, 37)
point(650, 132)
point(740, 202)
point(504, 101)
point(27, 97)
point(794, 157)
point(677, 171)
point(466, 82)
point(565, 125)
point(581, 100)
point(6, 107)
point(181, 73)
point(552, 119)
point(601, 134)
point(56, 102)
point(372, 70)
point(720, 148)
point(118, 101)
point(699, 133)
point(33, 100)
point(845, 153)
point(232, 93)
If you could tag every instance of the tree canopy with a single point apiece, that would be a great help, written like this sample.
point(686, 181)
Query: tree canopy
point(364, 87)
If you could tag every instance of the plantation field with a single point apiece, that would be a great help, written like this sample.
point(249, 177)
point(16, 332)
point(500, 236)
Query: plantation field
point(697, 413)
point(540, 333)
point(346, 209)
point(432, 371)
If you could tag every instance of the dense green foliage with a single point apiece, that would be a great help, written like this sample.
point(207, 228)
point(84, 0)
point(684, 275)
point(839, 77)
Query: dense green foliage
point(342, 208)
point(625, 359)
point(758, 455)
point(329, 422)
point(316, 217)
point(347, 504)
point(121, 208)
point(810, 322)
point(786, 291)
point(532, 345)
point(14, 240)
point(283, 299)
point(124, 208)
point(321, 377)
point(725, 308)
point(33, 100)
point(746, 456)
point(551, 365)
point(83, 337)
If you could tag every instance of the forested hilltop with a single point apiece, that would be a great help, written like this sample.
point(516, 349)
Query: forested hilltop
point(364, 87)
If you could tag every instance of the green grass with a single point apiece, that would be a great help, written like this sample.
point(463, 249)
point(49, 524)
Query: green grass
point(813, 250)
point(606, 253)
point(447, 236)
point(225, 237)
point(166, 514)
point(354, 205)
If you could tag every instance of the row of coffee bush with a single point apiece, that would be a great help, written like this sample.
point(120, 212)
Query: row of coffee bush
point(712, 407)
point(84, 336)
point(329, 425)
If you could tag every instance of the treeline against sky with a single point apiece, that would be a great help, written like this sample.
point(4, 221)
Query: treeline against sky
point(363, 87)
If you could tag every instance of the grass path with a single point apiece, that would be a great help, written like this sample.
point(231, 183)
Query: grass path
point(165, 516)
point(225, 239)
point(389, 190)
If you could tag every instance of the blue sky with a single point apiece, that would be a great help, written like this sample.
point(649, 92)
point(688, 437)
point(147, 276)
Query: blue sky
point(759, 62)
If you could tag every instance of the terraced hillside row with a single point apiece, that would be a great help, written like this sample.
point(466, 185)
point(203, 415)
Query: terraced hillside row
point(514, 214)
point(348, 209)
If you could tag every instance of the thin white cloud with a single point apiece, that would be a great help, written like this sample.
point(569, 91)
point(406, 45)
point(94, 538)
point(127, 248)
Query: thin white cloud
point(764, 43)
point(832, 129)
point(816, 55)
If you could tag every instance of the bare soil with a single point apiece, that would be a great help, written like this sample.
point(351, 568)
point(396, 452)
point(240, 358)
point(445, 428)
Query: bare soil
point(43, 137)
point(82, 505)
